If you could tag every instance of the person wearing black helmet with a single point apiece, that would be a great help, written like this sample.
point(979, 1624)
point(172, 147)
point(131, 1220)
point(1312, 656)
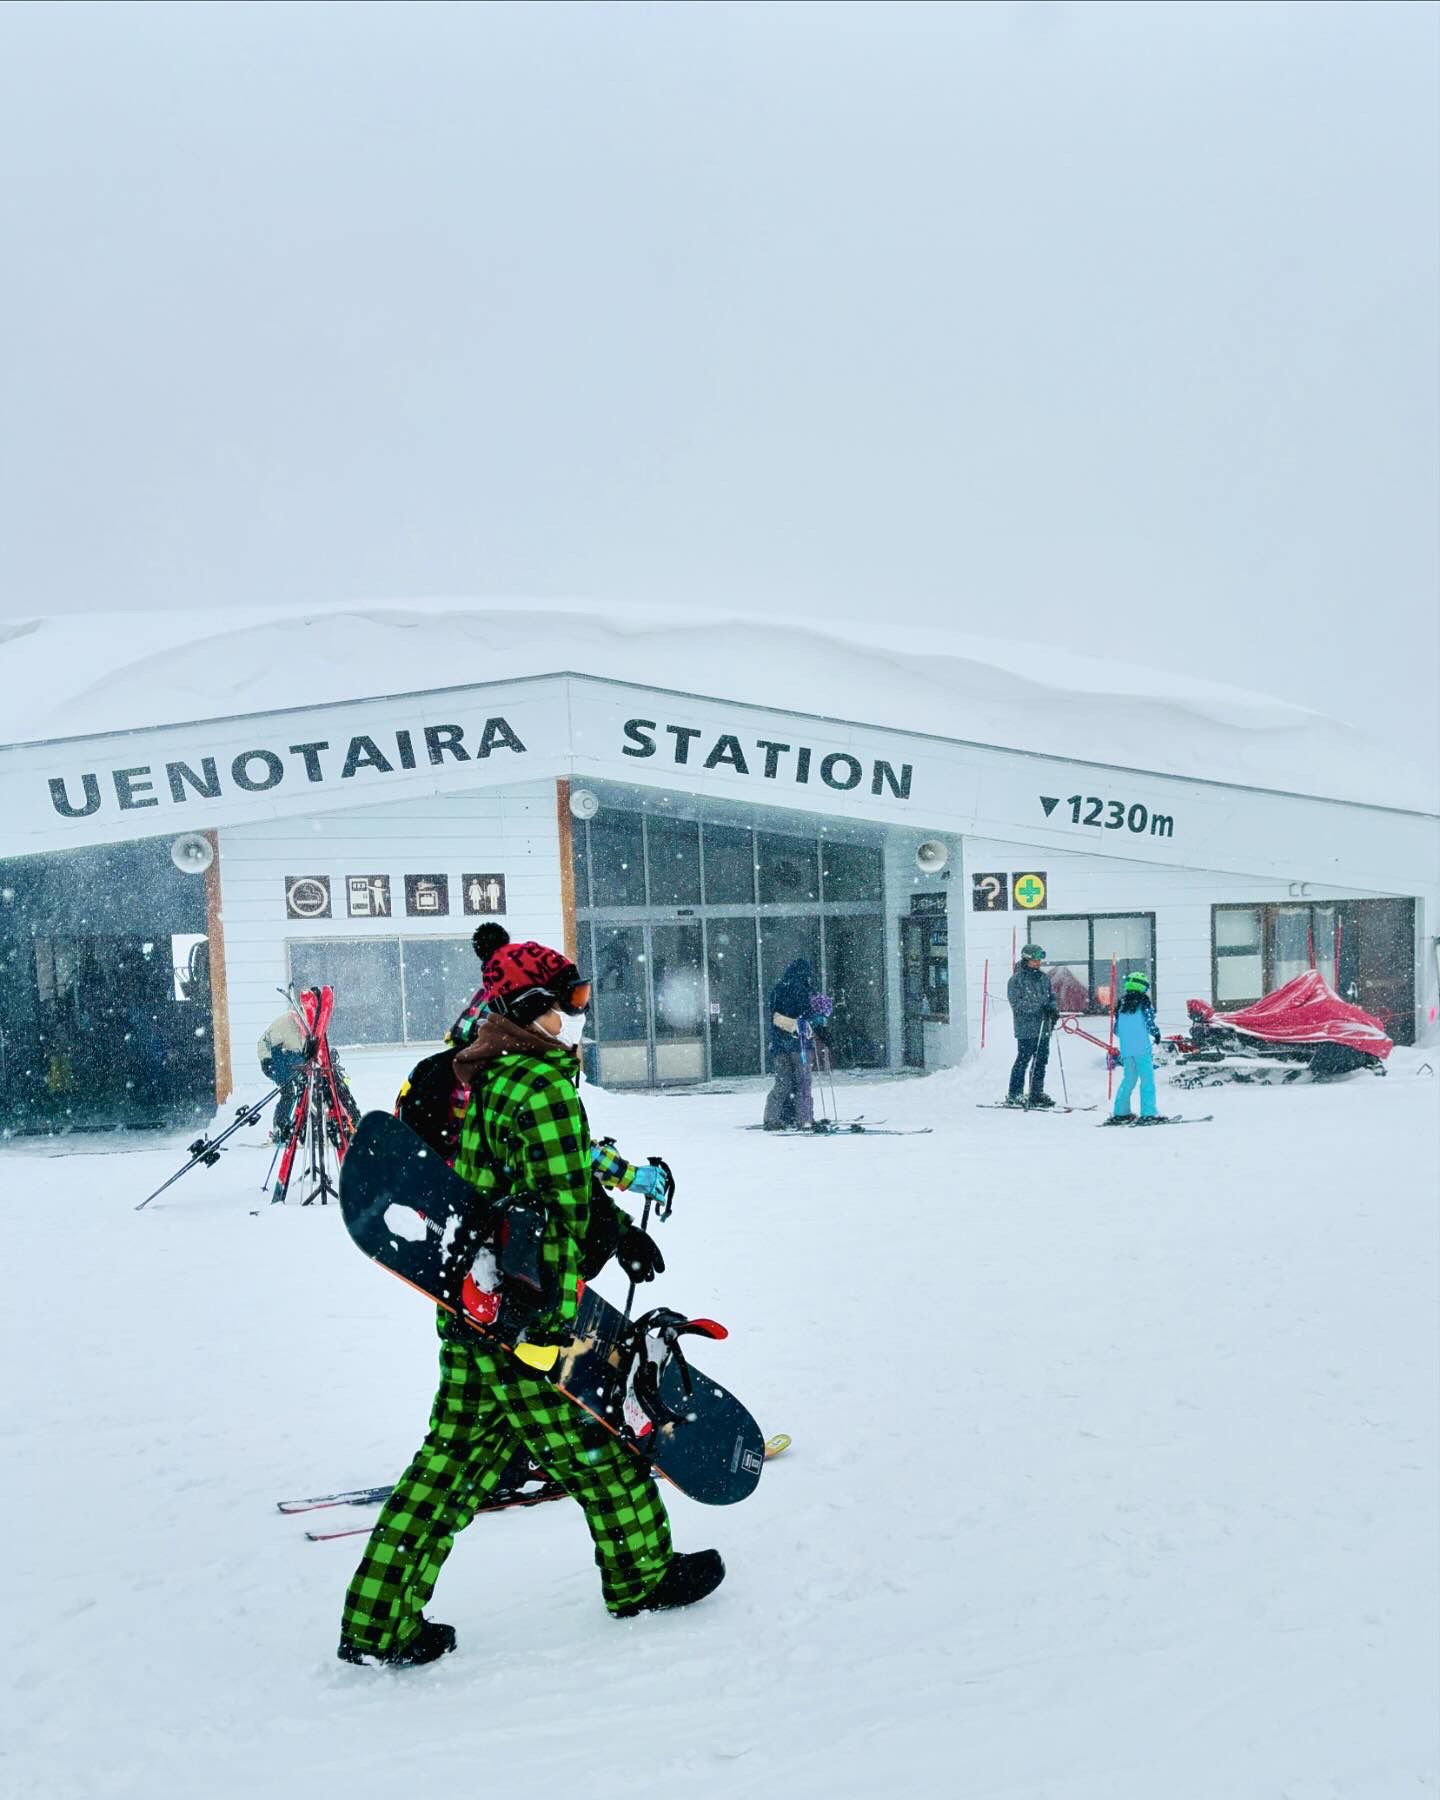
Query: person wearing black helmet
point(1033, 1008)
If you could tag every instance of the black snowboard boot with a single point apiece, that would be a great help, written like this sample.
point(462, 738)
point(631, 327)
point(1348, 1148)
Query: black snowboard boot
point(1015, 1100)
point(1041, 1100)
point(688, 1579)
point(429, 1643)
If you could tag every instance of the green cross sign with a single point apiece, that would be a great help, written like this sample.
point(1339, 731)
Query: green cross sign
point(1029, 891)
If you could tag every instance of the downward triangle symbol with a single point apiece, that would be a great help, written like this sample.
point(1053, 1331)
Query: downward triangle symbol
point(1049, 802)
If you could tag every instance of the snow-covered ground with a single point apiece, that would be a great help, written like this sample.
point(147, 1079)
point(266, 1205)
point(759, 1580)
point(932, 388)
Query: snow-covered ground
point(1113, 1474)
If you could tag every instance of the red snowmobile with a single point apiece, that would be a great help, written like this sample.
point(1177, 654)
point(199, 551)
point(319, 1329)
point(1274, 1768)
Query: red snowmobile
point(1303, 1030)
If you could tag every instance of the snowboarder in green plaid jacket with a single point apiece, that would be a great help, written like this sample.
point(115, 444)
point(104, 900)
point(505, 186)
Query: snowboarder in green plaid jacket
point(524, 1129)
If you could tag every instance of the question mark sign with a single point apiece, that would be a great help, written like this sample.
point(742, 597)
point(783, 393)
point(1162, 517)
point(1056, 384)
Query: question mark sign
point(990, 886)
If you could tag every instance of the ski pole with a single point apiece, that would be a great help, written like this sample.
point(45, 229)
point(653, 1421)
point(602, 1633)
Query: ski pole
point(661, 1212)
point(984, 1001)
point(1060, 1059)
point(830, 1072)
point(644, 1221)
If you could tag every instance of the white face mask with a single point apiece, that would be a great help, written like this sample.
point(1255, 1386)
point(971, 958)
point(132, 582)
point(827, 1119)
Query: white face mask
point(572, 1029)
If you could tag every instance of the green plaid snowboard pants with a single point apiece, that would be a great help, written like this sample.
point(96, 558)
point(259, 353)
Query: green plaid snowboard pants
point(486, 1406)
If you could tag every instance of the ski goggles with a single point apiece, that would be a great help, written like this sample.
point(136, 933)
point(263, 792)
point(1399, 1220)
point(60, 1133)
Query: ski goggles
point(574, 999)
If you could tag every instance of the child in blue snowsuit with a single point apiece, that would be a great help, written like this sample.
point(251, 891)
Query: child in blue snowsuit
point(1135, 1034)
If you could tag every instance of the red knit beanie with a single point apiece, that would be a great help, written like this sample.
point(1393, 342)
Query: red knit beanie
point(516, 969)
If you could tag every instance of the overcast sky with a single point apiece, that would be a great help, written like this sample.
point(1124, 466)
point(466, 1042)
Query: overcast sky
point(1113, 326)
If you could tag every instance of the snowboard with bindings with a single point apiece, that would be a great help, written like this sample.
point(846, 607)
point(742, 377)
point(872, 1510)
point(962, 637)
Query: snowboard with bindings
point(479, 1259)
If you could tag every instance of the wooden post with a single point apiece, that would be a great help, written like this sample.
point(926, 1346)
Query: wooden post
point(566, 833)
point(219, 987)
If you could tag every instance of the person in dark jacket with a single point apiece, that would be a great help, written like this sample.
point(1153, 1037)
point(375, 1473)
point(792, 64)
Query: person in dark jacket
point(788, 1105)
point(1032, 1004)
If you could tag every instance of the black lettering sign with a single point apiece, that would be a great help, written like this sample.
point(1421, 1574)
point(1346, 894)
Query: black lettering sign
point(638, 738)
point(206, 784)
point(129, 783)
point(364, 753)
point(241, 776)
point(257, 771)
point(60, 798)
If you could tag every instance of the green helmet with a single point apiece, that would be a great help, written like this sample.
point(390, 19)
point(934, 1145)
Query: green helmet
point(1032, 953)
point(1137, 983)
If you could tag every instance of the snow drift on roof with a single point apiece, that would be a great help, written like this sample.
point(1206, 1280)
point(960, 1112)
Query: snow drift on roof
point(79, 675)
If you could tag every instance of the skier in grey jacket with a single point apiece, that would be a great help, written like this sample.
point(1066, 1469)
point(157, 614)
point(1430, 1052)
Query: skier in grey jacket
point(1032, 1002)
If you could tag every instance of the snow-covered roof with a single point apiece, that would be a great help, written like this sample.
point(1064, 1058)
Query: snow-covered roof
point(84, 674)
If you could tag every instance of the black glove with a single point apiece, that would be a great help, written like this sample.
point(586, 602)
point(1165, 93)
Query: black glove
point(638, 1254)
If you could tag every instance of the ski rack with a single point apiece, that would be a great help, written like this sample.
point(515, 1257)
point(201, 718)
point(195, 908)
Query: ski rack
point(321, 1121)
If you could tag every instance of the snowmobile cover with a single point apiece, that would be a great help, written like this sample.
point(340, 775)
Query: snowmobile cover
point(1307, 1011)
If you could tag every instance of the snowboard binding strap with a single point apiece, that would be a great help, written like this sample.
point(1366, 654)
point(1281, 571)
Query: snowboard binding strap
point(649, 1347)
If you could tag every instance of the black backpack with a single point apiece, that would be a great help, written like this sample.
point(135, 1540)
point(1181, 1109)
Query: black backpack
point(426, 1103)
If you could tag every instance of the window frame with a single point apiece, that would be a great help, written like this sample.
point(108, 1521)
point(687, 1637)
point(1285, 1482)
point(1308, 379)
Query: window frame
point(1268, 911)
point(1036, 927)
point(417, 941)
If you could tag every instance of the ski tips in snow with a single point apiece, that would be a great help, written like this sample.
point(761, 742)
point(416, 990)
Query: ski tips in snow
point(377, 1496)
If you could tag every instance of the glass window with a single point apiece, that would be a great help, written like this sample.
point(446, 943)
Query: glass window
point(734, 996)
point(617, 859)
point(580, 861)
point(1080, 954)
point(440, 976)
point(673, 847)
point(619, 981)
point(852, 871)
point(780, 941)
point(1125, 944)
point(365, 974)
point(678, 980)
point(1239, 954)
point(1323, 928)
point(789, 868)
point(855, 981)
point(1238, 928)
point(1066, 943)
point(1290, 943)
point(729, 866)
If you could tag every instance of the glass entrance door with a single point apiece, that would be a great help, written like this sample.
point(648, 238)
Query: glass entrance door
point(732, 985)
point(677, 975)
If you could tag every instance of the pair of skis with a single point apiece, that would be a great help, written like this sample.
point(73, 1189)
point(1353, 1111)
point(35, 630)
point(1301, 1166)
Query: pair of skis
point(1005, 1106)
point(841, 1128)
point(377, 1496)
point(1156, 1119)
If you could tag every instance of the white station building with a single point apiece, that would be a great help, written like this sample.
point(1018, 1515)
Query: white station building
point(685, 807)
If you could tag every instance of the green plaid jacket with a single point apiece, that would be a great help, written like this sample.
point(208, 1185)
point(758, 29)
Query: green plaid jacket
point(525, 1133)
